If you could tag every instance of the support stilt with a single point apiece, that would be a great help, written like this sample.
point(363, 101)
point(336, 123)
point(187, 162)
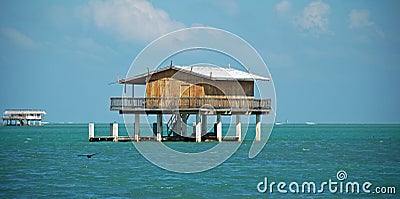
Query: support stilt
point(219, 128)
point(198, 128)
point(159, 127)
point(184, 124)
point(204, 124)
point(114, 131)
point(258, 127)
point(238, 128)
point(177, 128)
point(91, 130)
point(137, 126)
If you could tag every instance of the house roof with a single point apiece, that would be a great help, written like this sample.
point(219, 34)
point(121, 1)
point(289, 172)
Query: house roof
point(23, 112)
point(208, 72)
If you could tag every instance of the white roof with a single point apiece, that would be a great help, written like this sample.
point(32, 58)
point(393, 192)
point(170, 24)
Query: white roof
point(210, 72)
point(218, 73)
point(10, 112)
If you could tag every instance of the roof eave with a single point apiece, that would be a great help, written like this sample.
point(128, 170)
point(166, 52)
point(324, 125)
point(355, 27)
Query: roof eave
point(143, 78)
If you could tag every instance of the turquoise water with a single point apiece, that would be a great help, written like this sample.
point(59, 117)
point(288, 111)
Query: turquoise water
point(43, 162)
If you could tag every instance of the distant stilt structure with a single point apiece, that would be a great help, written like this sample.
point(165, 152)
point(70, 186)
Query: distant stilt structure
point(22, 117)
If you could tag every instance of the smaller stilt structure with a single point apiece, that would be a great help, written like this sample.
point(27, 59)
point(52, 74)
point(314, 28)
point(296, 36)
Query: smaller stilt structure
point(23, 117)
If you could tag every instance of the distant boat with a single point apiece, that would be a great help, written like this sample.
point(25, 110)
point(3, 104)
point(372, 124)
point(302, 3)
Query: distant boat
point(311, 123)
point(278, 123)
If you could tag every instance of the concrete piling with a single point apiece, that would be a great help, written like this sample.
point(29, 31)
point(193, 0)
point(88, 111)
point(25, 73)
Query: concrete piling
point(219, 128)
point(258, 127)
point(114, 131)
point(198, 128)
point(159, 127)
point(91, 130)
point(238, 128)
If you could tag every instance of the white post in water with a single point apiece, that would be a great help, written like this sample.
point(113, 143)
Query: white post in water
point(238, 128)
point(91, 130)
point(219, 128)
point(258, 127)
point(204, 124)
point(137, 125)
point(198, 128)
point(194, 128)
point(184, 126)
point(114, 131)
point(177, 127)
point(159, 127)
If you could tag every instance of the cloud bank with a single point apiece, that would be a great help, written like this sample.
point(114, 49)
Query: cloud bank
point(130, 20)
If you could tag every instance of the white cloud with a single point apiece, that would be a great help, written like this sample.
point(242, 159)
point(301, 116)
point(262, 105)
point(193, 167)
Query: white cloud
point(360, 19)
point(131, 20)
point(314, 17)
point(229, 7)
point(18, 38)
point(283, 7)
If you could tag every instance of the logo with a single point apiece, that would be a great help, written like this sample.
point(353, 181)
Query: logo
point(331, 185)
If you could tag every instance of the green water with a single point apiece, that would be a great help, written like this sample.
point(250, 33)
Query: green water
point(43, 162)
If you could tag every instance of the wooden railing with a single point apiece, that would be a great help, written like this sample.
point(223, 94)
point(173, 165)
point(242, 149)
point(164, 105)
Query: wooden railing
point(118, 103)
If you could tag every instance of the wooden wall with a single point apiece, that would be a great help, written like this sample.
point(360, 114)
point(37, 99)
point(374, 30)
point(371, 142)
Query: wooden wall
point(171, 83)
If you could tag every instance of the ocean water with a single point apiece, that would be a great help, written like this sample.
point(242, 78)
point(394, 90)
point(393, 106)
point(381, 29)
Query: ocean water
point(43, 162)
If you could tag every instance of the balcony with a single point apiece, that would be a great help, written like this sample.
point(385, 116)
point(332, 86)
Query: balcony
point(190, 104)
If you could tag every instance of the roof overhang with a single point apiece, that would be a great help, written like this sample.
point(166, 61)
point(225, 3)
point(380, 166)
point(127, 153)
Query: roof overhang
point(11, 112)
point(207, 72)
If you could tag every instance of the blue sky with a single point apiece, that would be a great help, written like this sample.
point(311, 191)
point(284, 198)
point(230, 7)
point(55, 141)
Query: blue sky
point(331, 61)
